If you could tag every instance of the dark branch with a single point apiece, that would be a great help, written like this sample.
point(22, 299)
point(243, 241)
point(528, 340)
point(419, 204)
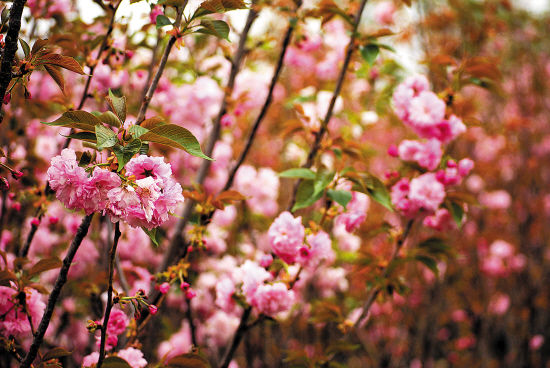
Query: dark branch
point(324, 125)
point(10, 48)
point(61, 280)
point(109, 306)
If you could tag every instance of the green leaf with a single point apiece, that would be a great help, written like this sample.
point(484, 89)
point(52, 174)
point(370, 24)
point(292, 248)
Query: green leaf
point(153, 234)
point(217, 6)
point(82, 136)
point(175, 136)
point(125, 153)
point(44, 265)
point(322, 180)
point(435, 246)
point(370, 53)
point(115, 362)
point(342, 197)
point(216, 28)
point(301, 173)
point(118, 105)
point(137, 131)
point(25, 46)
point(378, 191)
point(428, 262)
point(110, 118)
point(78, 119)
point(162, 20)
point(457, 211)
point(55, 353)
point(189, 360)
point(306, 196)
point(105, 137)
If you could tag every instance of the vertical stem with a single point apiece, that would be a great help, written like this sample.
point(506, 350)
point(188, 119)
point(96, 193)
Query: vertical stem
point(109, 306)
point(324, 125)
point(213, 137)
point(149, 95)
point(239, 334)
point(10, 48)
point(61, 280)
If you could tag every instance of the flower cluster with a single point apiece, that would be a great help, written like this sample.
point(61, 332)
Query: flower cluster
point(17, 308)
point(144, 197)
point(423, 111)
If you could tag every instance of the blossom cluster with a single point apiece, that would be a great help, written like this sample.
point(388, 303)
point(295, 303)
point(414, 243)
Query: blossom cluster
point(145, 196)
point(423, 111)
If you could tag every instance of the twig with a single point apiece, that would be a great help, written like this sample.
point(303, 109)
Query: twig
point(214, 134)
point(265, 107)
point(92, 67)
point(374, 292)
point(104, 43)
point(324, 125)
point(61, 280)
point(109, 305)
point(151, 68)
point(10, 48)
point(239, 334)
point(189, 316)
point(149, 95)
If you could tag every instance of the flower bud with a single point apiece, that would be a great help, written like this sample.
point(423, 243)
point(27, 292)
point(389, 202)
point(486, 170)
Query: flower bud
point(190, 294)
point(153, 309)
point(7, 98)
point(35, 221)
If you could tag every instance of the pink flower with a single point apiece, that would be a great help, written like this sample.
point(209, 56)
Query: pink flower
point(406, 91)
point(383, 12)
point(14, 320)
point(426, 110)
point(133, 356)
point(536, 342)
point(320, 249)
point(465, 166)
point(427, 155)
point(164, 287)
point(90, 360)
point(427, 192)
point(70, 182)
point(286, 236)
point(356, 212)
point(224, 293)
point(440, 221)
point(253, 276)
point(144, 166)
point(271, 299)
point(499, 304)
point(118, 321)
point(155, 12)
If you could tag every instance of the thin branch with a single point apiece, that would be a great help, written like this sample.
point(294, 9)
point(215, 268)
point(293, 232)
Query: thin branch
point(239, 334)
point(92, 67)
point(109, 306)
point(149, 95)
point(10, 48)
point(61, 280)
point(170, 255)
point(265, 107)
point(324, 125)
point(374, 292)
point(151, 68)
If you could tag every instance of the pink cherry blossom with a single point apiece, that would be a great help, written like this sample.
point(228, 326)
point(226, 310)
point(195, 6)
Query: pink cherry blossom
point(271, 299)
point(427, 192)
point(286, 236)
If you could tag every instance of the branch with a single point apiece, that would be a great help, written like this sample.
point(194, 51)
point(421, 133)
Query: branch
point(374, 292)
point(10, 48)
point(324, 125)
point(214, 135)
point(39, 214)
point(109, 306)
point(61, 280)
point(160, 70)
point(239, 334)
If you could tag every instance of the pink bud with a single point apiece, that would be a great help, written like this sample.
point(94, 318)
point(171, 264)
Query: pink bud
point(440, 176)
point(304, 252)
point(153, 309)
point(451, 163)
point(164, 287)
point(35, 221)
point(392, 151)
point(266, 260)
point(189, 249)
point(184, 286)
point(16, 174)
point(465, 166)
point(16, 206)
point(53, 220)
point(227, 120)
point(7, 98)
point(190, 294)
